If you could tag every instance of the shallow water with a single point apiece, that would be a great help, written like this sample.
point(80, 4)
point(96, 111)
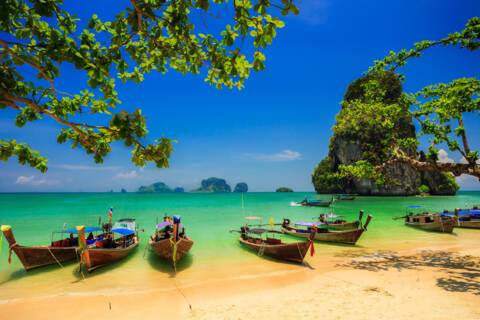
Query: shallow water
point(208, 218)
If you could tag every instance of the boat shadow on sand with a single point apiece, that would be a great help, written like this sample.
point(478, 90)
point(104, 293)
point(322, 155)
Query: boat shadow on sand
point(304, 264)
point(460, 273)
point(165, 266)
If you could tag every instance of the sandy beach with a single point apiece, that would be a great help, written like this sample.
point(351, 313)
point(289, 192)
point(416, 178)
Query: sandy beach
point(435, 281)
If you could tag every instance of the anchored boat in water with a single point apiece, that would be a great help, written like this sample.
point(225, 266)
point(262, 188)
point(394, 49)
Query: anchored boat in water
point(117, 242)
point(428, 221)
point(346, 197)
point(33, 257)
point(58, 252)
point(303, 229)
point(333, 222)
point(314, 203)
point(170, 241)
point(263, 242)
point(465, 218)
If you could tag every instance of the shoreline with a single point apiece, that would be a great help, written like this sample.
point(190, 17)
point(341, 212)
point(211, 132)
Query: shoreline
point(392, 280)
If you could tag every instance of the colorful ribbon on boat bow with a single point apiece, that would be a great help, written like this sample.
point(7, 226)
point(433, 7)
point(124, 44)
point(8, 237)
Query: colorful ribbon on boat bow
point(312, 237)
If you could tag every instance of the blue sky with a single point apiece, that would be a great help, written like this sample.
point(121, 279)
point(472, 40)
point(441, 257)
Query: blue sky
point(273, 132)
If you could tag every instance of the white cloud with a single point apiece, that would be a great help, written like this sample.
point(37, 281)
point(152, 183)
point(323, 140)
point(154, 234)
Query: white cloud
point(24, 179)
point(127, 175)
point(468, 182)
point(284, 155)
point(443, 157)
point(76, 167)
point(31, 180)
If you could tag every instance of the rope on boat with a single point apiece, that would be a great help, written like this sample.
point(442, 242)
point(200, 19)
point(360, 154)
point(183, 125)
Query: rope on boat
point(261, 251)
point(299, 252)
point(79, 260)
point(48, 248)
point(174, 254)
point(13, 245)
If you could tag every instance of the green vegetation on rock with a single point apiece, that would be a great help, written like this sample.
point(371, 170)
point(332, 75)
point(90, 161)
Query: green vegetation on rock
point(374, 116)
point(213, 185)
point(157, 187)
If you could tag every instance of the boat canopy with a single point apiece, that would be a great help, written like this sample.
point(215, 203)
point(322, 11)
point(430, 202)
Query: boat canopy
point(163, 224)
point(74, 231)
point(123, 231)
point(307, 223)
point(125, 224)
point(463, 212)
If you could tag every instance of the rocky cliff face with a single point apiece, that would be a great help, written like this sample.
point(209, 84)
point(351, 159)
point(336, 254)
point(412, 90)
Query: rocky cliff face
point(213, 185)
point(360, 134)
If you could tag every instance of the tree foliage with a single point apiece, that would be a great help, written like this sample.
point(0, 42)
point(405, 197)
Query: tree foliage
point(146, 36)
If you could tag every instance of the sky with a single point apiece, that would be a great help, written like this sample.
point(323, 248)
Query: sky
point(274, 131)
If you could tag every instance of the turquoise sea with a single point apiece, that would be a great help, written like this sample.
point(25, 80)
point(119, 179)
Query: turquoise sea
point(207, 218)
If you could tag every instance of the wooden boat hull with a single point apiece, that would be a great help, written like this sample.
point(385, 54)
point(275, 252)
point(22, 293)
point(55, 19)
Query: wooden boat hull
point(470, 224)
point(95, 258)
point(164, 249)
point(293, 252)
point(40, 256)
point(321, 204)
point(338, 236)
point(33, 257)
point(444, 226)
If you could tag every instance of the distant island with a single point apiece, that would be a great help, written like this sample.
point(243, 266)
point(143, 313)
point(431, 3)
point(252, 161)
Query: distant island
point(213, 185)
point(241, 187)
point(159, 187)
point(207, 185)
point(284, 189)
point(123, 190)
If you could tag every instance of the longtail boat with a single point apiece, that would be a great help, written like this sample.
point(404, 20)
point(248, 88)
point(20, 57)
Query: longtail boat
point(303, 229)
point(465, 218)
point(315, 203)
point(346, 197)
point(274, 247)
point(429, 221)
point(57, 252)
point(108, 249)
point(170, 241)
point(332, 222)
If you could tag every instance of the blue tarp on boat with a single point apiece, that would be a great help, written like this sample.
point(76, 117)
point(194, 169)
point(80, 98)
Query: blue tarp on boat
point(74, 231)
point(414, 207)
point(123, 231)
